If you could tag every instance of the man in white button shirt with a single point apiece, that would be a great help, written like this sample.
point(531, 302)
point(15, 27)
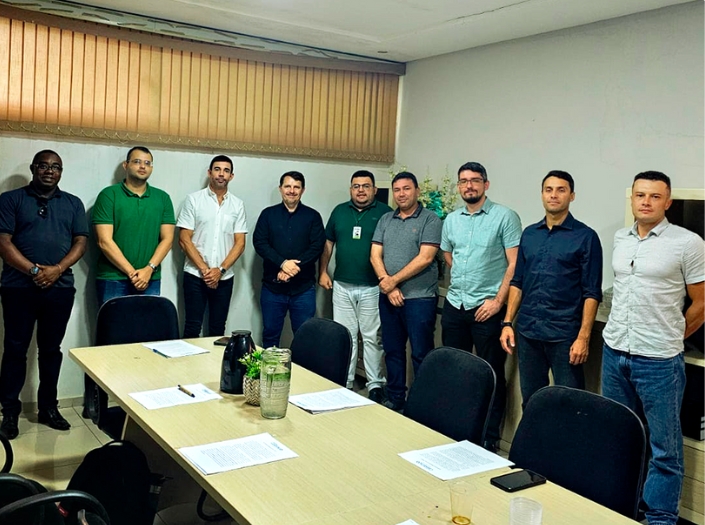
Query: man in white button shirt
point(656, 264)
point(212, 233)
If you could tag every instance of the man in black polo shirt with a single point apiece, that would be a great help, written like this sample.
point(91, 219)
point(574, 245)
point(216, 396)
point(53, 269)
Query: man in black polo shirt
point(289, 237)
point(43, 232)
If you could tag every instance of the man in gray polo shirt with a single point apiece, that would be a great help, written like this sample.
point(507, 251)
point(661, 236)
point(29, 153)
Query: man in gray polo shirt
point(403, 254)
point(656, 264)
point(480, 244)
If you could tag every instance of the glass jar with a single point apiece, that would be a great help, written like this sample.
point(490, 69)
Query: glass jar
point(275, 378)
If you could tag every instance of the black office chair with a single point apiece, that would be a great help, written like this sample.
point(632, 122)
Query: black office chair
point(452, 394)
point(39, 508)
point(585, 443)
point(9, 456)
point(323, 347)
point(130, 319)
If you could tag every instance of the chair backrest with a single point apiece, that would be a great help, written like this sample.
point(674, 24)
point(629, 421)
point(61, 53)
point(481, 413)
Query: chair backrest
point(9, 456)
point(452, 394)
point(42, 507)
point(323, 347)
point(14, 488)
point(136, 319)
point(584, 442)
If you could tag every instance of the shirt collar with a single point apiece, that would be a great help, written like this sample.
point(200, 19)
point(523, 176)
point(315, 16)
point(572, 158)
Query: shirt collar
point(130, 193)
point(369, 206)
point(33, 193)
point(656, 230)
point(412, 216)
point(567, 223)
point(213, 194)
point(486, 207)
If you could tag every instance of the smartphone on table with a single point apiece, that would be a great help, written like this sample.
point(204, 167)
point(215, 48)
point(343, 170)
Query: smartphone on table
point(519, 480)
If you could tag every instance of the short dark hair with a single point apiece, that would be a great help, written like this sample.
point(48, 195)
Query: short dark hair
point(44, 152)
point(563, 175)
point(474, 166)
point(406, 175)
point(296, 175)
point(143, 149)
point(654, 175)
point(363, 173)
point(221, 158)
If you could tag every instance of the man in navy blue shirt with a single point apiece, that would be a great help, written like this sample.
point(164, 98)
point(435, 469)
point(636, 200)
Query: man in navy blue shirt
point(43, 232)
point(558, 283)
point(289, 237)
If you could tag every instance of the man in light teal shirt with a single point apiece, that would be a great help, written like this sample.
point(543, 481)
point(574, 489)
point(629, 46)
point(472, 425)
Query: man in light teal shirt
point(480, 243)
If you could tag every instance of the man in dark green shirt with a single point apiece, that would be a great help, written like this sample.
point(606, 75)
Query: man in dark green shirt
point(355, 290)
point(134, 223)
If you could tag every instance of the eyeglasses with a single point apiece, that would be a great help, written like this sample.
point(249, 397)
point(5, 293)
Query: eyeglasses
point(50, 167)
point(137, 162)
point(43, 211)
point(366, 187)
point(476, 180)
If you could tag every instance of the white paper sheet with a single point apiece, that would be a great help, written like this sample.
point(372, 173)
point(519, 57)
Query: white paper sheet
point(175, 348)
point(408, 522)
point(329, 400)
point(172, 396)
point(237, 453)
point(455, 460)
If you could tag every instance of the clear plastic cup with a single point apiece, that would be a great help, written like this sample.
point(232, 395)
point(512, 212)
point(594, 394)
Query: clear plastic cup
point(525, 511)
point(460, 504)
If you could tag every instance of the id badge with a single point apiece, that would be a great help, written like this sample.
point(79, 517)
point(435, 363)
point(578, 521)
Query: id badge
point(357, 232)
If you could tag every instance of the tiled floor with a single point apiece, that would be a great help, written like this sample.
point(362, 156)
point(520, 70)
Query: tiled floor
point(51, 457)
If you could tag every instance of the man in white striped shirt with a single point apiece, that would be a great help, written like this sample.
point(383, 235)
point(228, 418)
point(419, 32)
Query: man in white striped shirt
point(212, 233)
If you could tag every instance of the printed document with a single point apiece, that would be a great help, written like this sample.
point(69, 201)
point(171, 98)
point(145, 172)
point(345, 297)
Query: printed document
point(237, 453)
point(329, 400)
point(172, 396)
point(455, 460)
point(175, 348)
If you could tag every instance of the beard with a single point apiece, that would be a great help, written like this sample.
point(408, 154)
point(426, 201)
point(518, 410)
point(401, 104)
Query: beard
point(474, 199)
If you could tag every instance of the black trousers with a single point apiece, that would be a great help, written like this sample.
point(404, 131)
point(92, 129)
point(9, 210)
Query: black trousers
point(460, 330)
point(22, 308)
point(197, 296)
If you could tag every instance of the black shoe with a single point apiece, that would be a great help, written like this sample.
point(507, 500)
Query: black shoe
point(396, 405)
point(53, 419)
point(9, 426)
point(377, 395)
point(491, 445)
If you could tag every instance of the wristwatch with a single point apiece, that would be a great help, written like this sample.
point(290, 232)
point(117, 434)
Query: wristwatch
point(152, 266)
point(222, 270)
point(506, 323)
point(34, 270)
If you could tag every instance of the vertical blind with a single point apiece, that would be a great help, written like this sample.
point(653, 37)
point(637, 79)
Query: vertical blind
point(64, 82)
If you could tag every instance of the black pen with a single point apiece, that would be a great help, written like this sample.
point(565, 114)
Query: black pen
point(186, 391)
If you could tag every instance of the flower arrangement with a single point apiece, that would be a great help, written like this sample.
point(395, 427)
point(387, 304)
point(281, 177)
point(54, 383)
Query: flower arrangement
point(253, 363)
point(440, 199)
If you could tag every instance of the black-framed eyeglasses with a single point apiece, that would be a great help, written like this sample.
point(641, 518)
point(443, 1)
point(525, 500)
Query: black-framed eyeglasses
point(43, 211)
point(53, 167)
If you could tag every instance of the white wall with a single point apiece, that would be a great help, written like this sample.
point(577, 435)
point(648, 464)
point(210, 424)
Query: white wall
point(90, 167)
point(603, 101)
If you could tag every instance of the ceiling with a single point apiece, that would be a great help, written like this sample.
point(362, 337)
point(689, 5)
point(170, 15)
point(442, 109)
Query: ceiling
point(396, 30)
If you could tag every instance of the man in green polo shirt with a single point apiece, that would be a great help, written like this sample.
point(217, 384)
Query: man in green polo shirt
point(134, 224)
point(355, 289)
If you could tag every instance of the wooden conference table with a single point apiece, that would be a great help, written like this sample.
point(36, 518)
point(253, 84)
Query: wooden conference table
point(348, 470)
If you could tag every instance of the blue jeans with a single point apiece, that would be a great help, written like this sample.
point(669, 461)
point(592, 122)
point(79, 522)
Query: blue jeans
point(415, 321)
point(108, 289)
point(537, 357)
point(653, 387)
point(301, 307)
point(197, 295)
point(461, 330)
